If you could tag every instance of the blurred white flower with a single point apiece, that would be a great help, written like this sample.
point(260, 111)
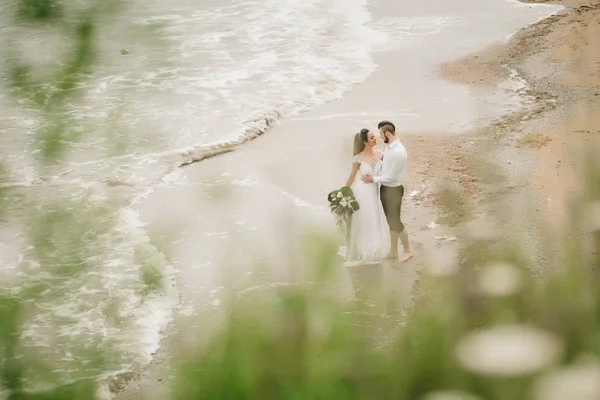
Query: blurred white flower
point(443, 269)
point(499, 280)
point(449, 395)
point(442, 263)
point(591, 216)
point(579, 382)
point(508, 350)
point(343, 203)
point(340, 195)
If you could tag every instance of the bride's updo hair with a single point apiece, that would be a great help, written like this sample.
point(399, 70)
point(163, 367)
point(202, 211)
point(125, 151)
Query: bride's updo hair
point(360, 140)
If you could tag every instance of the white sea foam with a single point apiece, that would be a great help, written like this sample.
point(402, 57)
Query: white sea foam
point(406, 32)
point(227, 75)
point(105, 304)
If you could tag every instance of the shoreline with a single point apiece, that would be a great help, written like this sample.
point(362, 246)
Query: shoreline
point(458, 167)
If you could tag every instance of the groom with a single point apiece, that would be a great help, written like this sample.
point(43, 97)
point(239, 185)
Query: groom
point(393, 171)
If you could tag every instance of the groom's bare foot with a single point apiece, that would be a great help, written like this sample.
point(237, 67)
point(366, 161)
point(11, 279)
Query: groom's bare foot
point(405, 257)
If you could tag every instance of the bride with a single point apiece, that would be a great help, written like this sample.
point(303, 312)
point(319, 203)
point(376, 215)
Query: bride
point(369, 236)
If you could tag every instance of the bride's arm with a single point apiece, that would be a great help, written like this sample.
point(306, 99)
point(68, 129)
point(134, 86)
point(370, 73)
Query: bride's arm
point(353, 172)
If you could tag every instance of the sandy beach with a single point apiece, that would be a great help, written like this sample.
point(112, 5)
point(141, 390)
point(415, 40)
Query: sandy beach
point(248, 207)
point(539, 150)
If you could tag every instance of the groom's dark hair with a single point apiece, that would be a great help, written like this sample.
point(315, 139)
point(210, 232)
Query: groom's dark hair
point(384, 123)
point(389, 129)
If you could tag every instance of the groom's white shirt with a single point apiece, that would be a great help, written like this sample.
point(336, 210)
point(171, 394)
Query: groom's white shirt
point(393, 169)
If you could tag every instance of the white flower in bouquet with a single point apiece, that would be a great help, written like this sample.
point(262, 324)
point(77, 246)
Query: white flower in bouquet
point(343, 203)
point(340, 195)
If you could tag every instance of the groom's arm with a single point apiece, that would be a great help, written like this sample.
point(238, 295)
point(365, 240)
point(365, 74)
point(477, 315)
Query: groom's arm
point(392, 171)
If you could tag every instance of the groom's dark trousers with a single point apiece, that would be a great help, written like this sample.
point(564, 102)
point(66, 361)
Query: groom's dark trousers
point(391, 200)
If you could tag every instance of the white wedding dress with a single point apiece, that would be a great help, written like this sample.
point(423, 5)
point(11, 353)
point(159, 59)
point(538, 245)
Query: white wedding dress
point(369, 234)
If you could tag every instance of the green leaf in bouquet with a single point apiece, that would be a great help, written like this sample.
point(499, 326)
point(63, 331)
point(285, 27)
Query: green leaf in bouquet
point(332, 196)
point(347, 191)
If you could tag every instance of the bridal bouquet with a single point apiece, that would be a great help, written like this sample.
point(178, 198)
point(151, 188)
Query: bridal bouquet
point(343, 204)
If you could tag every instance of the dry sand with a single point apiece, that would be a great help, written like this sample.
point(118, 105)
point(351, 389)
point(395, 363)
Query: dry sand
point(528, 163)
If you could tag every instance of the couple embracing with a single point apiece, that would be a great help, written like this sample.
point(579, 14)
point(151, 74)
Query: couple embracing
point(377, 181)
